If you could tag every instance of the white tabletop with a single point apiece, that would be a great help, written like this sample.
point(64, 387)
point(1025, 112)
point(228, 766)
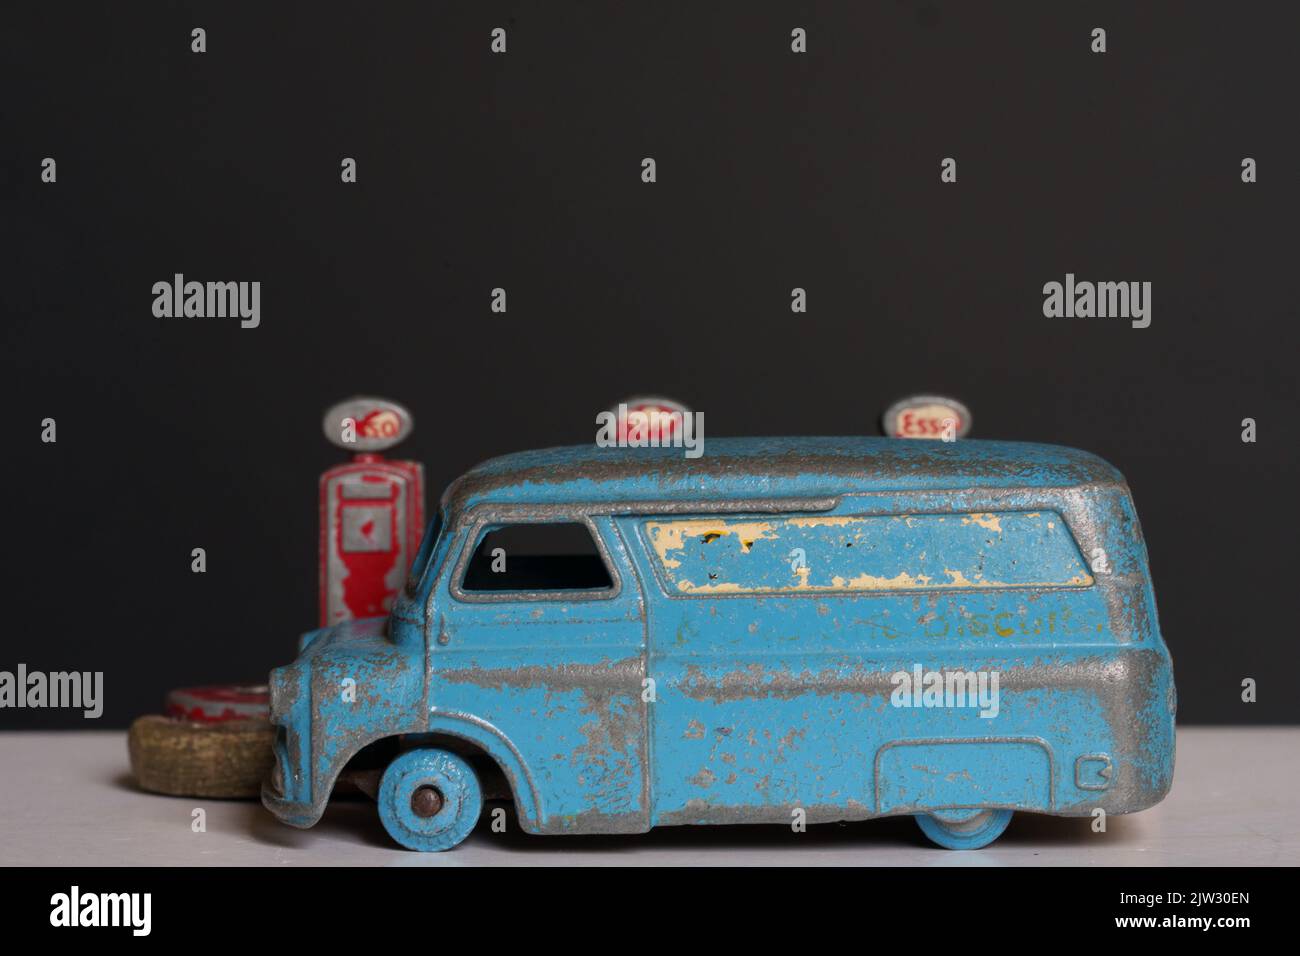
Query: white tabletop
point(67, 798)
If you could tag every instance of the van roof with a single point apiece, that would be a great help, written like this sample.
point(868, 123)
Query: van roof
point(763, 468)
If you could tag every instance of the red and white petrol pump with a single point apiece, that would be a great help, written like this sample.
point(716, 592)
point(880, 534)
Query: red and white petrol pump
point(371, 511)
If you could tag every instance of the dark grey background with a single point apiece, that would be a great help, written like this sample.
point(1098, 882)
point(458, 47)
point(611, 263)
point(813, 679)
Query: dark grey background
point(523, 171)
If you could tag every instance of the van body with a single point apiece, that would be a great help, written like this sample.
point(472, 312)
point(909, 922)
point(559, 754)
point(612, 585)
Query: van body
point(783, 630)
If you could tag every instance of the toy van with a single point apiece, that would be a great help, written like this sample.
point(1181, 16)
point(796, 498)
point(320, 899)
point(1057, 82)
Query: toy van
point(780, 631)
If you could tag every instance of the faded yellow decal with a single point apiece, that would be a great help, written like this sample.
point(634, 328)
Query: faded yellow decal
point(666, 536)
point(863, 553)
point(989, 521)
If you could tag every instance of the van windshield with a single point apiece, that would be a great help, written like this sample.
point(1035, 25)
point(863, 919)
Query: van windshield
point(427, 545)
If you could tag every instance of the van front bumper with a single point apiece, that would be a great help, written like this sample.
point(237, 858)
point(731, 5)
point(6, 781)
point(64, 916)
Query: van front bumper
point(301, 815)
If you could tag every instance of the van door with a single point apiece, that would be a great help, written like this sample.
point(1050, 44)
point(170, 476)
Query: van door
point(543, 640)
point(779, 645)
point(742, 727)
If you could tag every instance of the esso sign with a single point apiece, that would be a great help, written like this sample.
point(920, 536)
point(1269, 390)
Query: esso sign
point(927, 416)
point(367, 424)
point(654, 416)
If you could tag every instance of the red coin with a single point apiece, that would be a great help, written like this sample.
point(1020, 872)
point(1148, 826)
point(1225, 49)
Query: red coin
point(220, 702)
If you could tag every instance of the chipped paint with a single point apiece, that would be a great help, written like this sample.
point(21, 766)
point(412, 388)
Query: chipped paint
point(822, 521)
point(719, 556)
point(672, 536)
point(987, 520)
point(872, 582)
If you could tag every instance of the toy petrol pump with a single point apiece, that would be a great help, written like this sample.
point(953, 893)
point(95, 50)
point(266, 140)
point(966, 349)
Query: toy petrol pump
point(371, 511)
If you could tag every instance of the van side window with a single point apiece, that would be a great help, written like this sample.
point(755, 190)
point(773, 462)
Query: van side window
point(857, 553)
point(537, 556)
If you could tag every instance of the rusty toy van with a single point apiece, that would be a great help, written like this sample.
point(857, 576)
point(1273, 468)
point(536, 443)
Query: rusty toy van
point(813, 629)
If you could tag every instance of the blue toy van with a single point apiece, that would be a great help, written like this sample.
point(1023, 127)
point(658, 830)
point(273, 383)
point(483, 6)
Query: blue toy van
point(782, 631)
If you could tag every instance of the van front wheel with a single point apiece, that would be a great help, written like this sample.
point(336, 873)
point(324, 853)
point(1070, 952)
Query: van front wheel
point(958, 830)
point(429, 800)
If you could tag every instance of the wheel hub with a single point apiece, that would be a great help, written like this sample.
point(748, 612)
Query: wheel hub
point(426, 801)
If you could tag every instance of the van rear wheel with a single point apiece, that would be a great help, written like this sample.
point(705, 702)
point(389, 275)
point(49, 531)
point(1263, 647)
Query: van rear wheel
point(964, 830)
point(429, 799)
